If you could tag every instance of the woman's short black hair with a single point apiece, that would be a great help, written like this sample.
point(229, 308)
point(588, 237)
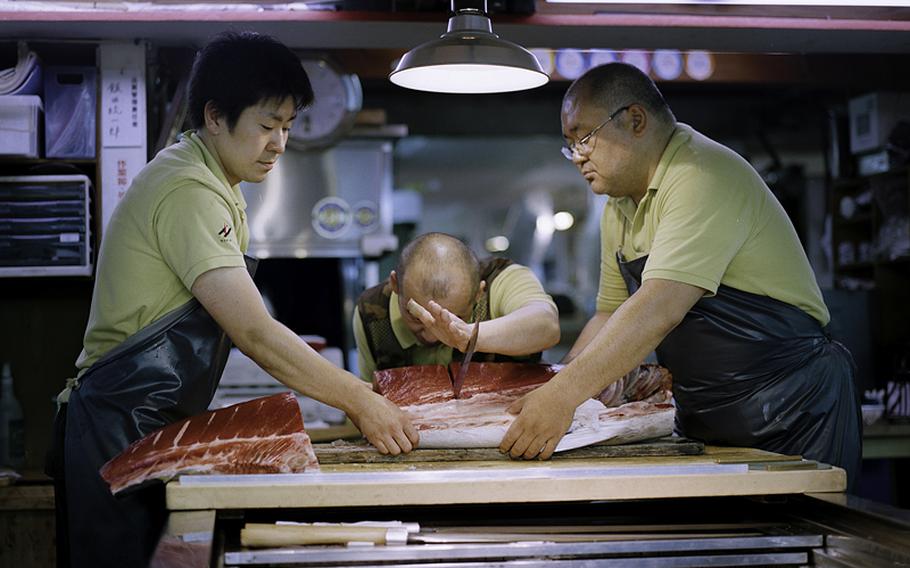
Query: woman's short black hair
point(237, 70)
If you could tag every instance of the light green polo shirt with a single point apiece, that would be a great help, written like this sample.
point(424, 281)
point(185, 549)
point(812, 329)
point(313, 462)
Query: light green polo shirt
point(514, 287)
point(179, 219)
point(707, 219)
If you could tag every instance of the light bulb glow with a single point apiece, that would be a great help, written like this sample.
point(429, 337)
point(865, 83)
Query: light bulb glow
point(563, 221)
point(498, 243)
point(465, 78)
point(545, 225)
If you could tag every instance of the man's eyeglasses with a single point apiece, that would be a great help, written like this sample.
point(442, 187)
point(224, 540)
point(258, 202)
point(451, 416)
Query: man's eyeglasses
point(584, 146)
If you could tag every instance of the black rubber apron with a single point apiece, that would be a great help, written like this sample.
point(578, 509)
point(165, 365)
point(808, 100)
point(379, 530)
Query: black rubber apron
point(749, 370)
point(166, 372)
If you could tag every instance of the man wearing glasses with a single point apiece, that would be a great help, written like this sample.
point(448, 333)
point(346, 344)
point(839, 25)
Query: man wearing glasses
point(699, 262)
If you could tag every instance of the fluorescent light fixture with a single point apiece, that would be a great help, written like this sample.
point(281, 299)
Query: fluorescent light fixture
point(469, 58)
point(820, 3)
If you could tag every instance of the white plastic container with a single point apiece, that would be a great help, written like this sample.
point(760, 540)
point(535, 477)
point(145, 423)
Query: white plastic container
point(20, 125)
point(69, 112)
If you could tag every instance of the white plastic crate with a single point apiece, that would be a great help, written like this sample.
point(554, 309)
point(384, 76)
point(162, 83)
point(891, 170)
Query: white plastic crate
point(19, 125)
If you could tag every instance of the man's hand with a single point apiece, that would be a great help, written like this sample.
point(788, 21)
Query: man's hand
point(385, 425)
point(544, 416)
point(443, 324)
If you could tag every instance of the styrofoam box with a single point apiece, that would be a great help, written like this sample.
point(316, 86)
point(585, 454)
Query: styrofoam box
point(19, 125)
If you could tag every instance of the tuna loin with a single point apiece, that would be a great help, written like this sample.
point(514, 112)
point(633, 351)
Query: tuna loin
point(648, 382)
point(417, 384)
point(480, 417)
point(264, 435)
point(430, 384)
point(503, 378)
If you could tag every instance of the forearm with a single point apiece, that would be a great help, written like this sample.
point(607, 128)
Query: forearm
point(628, 336)
point(529, 329)
point(587, 334)
point(283, 355)
point(230, 296)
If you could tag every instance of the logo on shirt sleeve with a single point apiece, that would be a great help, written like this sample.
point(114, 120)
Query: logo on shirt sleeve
point(225, 233)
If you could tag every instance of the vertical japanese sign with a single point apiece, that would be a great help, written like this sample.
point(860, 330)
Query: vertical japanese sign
point(123, 121)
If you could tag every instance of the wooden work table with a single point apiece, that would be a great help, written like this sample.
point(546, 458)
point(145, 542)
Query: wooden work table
point(718, 472)
point(674, 510)
point(27, 521)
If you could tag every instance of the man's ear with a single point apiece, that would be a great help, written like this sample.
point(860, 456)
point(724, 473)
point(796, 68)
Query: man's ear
point(393, 281)
point(214, 122)
point(639, 118)
point(480, 290)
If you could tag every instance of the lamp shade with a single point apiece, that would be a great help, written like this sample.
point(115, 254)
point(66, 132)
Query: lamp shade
point(469, 58)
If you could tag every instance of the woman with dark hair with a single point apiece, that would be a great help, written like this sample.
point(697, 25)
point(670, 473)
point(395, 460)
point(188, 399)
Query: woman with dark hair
point(174, 289)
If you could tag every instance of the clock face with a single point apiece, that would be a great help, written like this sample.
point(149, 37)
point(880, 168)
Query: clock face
point(338, 99)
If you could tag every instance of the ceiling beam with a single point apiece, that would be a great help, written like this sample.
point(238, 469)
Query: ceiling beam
point(310, 29)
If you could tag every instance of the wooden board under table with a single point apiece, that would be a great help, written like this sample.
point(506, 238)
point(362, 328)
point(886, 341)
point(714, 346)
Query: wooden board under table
point(717, 472)
point(348, 453)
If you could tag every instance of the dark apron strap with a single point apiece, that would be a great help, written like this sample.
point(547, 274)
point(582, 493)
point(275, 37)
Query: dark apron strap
point(750, 370)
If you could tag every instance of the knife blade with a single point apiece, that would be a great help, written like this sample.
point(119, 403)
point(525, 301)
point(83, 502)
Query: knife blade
point(468, 354)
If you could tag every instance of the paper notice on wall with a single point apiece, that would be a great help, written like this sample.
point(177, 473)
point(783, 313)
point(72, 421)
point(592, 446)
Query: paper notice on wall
point(123, 121)
point(118, 168)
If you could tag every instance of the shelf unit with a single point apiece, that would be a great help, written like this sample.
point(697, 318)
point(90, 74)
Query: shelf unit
point(43, 318)
point(58, 53)
point(860, 209)
point(870, 232)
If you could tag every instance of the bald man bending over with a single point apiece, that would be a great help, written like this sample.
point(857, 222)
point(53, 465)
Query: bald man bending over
point(439, 289)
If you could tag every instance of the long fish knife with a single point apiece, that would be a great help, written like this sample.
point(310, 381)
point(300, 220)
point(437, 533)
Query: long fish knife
point(463, 370)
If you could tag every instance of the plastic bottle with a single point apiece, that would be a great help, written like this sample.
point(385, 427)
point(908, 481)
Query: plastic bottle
point(12, 424)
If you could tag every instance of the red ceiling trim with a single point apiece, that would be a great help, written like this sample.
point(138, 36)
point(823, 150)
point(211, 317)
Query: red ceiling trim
point(570, 20)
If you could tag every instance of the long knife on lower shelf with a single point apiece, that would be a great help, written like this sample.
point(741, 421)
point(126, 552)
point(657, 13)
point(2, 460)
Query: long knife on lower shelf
point(262, 535)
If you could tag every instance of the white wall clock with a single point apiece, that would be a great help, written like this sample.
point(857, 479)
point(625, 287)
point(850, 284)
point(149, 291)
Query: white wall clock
point(338, 99)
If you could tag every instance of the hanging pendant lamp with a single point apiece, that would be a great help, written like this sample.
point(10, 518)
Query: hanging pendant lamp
point(469, 58)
